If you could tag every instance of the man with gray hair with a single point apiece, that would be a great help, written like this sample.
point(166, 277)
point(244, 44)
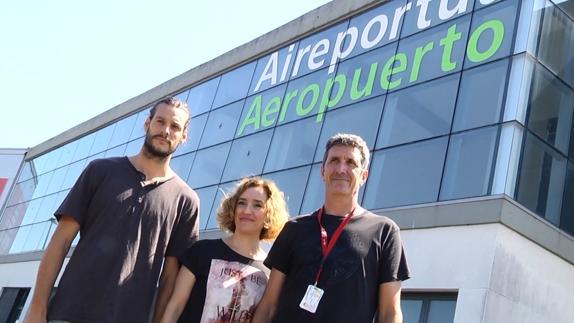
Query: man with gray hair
point(341, 263)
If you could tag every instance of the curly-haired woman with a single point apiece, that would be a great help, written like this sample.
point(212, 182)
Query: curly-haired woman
point(223, 280)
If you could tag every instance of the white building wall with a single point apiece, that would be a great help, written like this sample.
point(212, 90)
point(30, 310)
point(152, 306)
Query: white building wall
point(10, 161)
point(500, 276)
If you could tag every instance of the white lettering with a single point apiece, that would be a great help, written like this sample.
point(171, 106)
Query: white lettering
point(485, 2)
point(423, 21)
point(287, 62)
point(383, 22)
point(337, 53)
point(321, 48)
point(444, 13)
point(399, 13)
point(270, 71)
point(300, 54)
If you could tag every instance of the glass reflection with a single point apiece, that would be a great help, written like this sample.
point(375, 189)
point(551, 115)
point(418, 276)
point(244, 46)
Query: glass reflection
point(398, 177)
point(293, 145)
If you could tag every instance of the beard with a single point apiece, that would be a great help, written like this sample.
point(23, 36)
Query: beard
point(153, 151)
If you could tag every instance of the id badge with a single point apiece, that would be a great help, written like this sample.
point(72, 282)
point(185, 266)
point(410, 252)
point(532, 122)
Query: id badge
point(311, 299)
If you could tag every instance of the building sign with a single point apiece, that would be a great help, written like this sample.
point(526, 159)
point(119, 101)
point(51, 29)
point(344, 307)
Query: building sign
point(426, 55)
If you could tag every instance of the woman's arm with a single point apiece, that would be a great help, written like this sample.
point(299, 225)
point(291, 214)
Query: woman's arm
point(183, 286)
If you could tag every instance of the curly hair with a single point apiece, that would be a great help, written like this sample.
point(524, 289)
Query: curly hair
point(277, 213)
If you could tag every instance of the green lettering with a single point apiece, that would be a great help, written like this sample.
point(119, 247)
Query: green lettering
point(368, 89)
point(447, 43)
point(341, 80)
point(272, 107)
point(497, 28)
point(389, 70)
point(253, 115)
point(419, 54)
point(288, 97)
point(311, 88)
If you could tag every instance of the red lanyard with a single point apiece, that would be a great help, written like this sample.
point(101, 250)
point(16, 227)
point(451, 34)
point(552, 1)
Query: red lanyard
point(327, 248)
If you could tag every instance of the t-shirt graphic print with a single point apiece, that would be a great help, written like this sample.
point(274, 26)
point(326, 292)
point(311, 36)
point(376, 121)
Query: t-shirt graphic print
point(233, 292)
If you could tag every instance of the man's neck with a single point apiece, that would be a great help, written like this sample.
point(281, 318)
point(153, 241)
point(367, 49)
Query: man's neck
point(340, 206)
point(151, 167)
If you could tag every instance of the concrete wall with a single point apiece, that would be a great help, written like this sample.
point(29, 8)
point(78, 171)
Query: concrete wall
point(10, 162)
point(500, 275)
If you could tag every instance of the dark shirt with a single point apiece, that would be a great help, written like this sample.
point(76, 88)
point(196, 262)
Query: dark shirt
point(228, 286)
point(368, 253)
point(126, 229)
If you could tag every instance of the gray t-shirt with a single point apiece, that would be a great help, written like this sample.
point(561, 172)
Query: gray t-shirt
point(126, 229)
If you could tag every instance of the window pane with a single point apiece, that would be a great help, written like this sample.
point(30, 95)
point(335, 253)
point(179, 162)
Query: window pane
point(206, 196)
point(234, 85)
point(486, 46)
point(67, 153)
point(411, 309)
point(441, 311)
point(418, 112)
point(43, 183)
point(117, 151)
point(222, 191)
point(469, 164)
point(557, 43)
point(31, 209)
point(138, 130)
point(49, 161)
point(262, 111)
point(315, 191)
point(102, 140)
point(474, 108)
point(182, 96)
point(303, 96)
point(541, 179)
point(430, 62)
point(208, 165)
point(84, 145)
point(406, 174)
point(221, 125)
point(123, 130)
point(201, 97)
point(247, 156)
point(292, 183)
point(182, 165)
point(361, 119)
point(194, 131)
point(551, 107)
point(134, 147)
point(293, 145)
point(363, 75)
point(567, 217)
point(56, 182)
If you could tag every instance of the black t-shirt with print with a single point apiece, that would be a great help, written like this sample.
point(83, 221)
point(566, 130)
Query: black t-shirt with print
point(228, 286)
point(368, 253)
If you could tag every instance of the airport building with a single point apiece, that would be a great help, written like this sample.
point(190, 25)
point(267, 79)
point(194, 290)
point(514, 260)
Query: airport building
point(467, 107)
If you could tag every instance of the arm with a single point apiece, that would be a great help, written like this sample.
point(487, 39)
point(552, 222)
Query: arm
point(390, 303)
point(266, 308)
point(183, 286)
point(166, 285)
point(50, 266)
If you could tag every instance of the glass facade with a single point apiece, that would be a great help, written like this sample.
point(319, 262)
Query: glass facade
point(432, 94)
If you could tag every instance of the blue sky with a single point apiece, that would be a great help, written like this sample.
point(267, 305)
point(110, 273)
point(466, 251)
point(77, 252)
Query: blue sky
point(63, 62)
